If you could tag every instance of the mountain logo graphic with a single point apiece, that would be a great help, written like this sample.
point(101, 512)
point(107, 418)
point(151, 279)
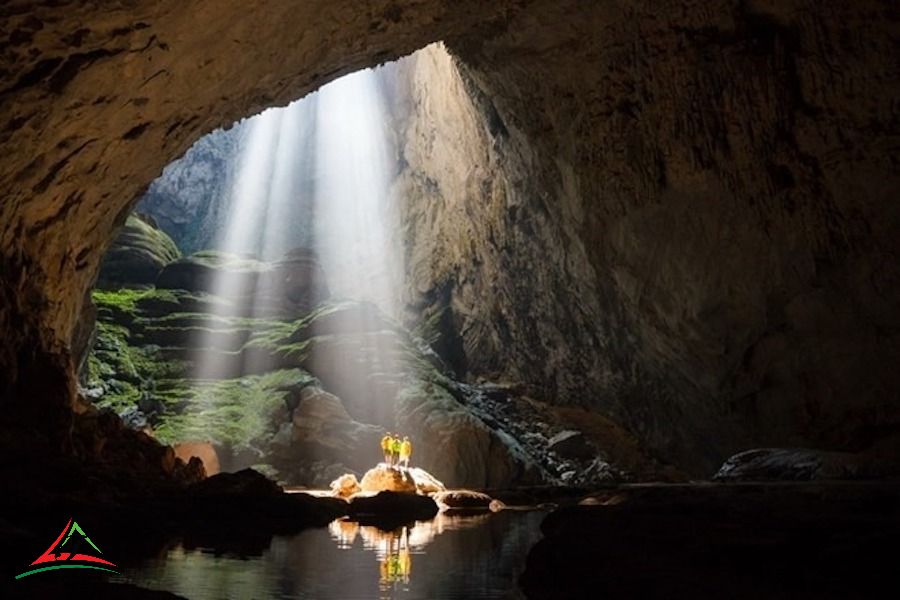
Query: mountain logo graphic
point(55, 557)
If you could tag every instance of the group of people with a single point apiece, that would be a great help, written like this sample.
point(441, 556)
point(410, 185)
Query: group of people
point(396, 450)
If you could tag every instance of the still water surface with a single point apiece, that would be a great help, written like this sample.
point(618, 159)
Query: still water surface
point(448, 558)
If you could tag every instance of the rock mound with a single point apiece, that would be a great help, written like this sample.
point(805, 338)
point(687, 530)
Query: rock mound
point(138, 255)
point(385, 478)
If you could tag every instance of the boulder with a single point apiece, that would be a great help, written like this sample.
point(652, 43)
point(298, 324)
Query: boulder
point(138, 255)
point(571, 444)
point(462, 500)
point(391, 508)
point(426, 483)
point(345, 486)
point(385, 478)
point(322, 428)
point(204, 451)
point(790, 464)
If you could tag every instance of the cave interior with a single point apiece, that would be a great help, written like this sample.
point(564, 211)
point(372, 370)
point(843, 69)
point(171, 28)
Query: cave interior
point(631, 266)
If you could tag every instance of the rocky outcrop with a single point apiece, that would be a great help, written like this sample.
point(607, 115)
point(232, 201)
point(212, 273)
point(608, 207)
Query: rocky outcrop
point(292, 285)
point(571, 444)
point(137, 255)
point(191, 197)
point(661, 221)
point(796, 464)
point(385, 478)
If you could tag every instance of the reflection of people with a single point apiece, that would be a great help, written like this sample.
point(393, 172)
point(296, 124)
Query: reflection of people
point(397, 562)
point(387, 443)
point(395, 449)
point(405, 451)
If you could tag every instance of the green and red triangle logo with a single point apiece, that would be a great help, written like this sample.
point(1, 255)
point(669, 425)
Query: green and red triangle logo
point(55, 557)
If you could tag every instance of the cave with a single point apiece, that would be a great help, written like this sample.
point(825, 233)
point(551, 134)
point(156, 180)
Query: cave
point(625, 273)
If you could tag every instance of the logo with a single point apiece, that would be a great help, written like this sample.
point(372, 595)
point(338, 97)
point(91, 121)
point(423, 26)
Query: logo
point(55, 557)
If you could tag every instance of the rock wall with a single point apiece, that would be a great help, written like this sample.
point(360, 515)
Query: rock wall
point(683, 213)
point(680, 214)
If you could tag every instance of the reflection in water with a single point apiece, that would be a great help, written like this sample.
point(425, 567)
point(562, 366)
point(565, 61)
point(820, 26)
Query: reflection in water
point(456, 557)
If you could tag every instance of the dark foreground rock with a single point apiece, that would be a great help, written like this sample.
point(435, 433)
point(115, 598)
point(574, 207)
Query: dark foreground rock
point(823, 540)
point(463, 500)
point(391, 509)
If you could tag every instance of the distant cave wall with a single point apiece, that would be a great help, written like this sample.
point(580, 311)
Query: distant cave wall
point(682, 214)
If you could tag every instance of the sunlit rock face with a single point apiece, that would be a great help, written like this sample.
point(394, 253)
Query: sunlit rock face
point(680, 214)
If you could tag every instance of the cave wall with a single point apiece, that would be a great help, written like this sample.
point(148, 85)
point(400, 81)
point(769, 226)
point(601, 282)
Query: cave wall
point(682, 213)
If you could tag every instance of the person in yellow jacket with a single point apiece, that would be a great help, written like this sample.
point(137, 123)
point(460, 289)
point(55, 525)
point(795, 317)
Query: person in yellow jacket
point(387, 445)
point(405, 451)
point(395, 450)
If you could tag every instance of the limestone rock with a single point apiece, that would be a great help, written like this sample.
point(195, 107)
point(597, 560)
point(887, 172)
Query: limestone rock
point(426, 483)
point(571, 444)
point(323, 429)
point(137, 255)
point(385, 478)
point(291, 285)
point(345, 486)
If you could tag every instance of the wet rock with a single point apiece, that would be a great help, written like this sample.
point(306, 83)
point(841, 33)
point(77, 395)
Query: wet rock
point(571, 444)
point(385, 478)
point(462, 500)
point(791, 464)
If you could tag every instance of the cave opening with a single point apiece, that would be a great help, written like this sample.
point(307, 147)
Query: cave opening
point(255, 310)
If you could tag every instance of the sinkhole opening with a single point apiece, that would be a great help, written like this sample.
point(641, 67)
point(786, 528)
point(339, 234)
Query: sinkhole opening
point(262, 307)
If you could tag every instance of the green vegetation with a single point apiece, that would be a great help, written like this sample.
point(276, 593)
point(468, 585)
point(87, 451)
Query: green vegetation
point(238, 412)
point(147, 340)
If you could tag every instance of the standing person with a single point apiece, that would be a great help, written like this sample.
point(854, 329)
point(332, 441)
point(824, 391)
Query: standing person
point(395, 449)
point(405, 451)
point(387, 443)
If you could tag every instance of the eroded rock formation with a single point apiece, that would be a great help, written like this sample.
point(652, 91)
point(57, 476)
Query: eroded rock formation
point(681, 214)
